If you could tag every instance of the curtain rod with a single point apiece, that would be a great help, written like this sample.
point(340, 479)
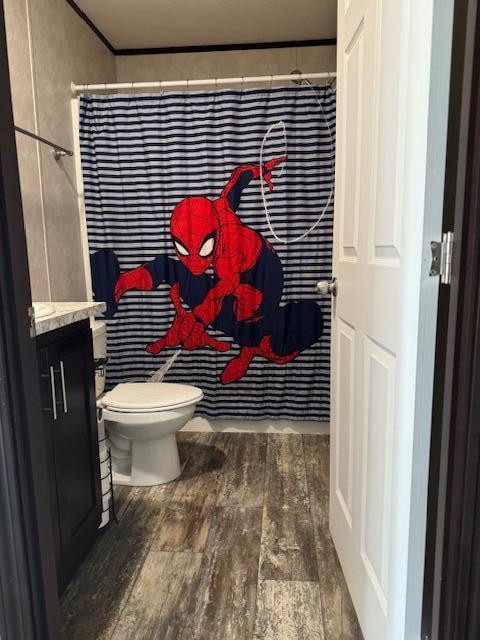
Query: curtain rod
point(58, 151)
point(164, 84)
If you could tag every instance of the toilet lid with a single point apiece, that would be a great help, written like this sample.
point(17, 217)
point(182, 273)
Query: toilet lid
point(150, 396)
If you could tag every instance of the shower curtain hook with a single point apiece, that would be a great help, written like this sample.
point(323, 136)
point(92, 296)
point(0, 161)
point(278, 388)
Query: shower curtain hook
point(216, 83)
point(331, 80)
point(271, 81)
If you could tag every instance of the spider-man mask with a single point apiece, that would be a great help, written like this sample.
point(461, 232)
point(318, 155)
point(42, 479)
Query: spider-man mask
point(194, 227)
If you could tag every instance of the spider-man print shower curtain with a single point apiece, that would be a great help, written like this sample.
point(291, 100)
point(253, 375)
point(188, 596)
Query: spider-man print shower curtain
point(186, 232)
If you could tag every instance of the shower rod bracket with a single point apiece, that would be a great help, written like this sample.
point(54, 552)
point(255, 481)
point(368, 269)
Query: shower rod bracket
point(59, 153)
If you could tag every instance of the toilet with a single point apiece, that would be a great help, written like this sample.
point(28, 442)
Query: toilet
point(142, 419)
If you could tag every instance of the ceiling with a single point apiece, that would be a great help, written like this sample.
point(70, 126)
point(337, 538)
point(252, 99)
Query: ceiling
point(146, 24)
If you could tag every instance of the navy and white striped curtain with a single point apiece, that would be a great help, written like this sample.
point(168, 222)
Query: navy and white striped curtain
point(141, 156)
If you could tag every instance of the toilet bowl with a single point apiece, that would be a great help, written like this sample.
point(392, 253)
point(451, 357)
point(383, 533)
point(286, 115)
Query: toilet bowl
point(142, 419)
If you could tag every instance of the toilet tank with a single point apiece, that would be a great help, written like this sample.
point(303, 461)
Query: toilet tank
point(99, 334)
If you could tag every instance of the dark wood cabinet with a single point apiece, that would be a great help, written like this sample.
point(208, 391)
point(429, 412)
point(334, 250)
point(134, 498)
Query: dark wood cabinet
point(69, 418)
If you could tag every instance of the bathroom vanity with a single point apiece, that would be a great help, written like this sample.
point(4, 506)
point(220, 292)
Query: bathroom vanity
point(66, 367)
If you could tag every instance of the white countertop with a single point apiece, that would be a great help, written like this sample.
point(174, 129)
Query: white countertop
point(68, 313)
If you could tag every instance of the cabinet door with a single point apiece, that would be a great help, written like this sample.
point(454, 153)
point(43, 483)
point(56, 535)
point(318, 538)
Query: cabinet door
point(75, 444)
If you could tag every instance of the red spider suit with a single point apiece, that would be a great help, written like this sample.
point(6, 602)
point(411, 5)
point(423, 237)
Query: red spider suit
point(242, 298)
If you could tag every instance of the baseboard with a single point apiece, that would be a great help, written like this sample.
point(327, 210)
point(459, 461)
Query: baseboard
point(258, 426)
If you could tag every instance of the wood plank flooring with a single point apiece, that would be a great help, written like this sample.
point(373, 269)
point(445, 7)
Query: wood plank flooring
point(288, 545)
point(237, 548)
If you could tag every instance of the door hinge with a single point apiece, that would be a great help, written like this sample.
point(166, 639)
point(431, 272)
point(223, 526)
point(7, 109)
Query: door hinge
point(442, 258)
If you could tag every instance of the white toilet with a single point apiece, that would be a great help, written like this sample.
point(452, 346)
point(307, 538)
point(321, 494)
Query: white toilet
point(142, 419)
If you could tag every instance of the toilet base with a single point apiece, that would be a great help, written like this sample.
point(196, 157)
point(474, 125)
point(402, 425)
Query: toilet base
point(153, 462)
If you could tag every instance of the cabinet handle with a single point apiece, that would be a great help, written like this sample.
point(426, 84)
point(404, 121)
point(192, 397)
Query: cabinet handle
point(64, 393)
point(54, 396)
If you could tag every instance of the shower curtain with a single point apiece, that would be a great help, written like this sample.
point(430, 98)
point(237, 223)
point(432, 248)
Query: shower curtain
point(182, 249)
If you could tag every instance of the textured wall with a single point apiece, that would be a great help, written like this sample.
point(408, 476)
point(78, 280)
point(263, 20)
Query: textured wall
point(179, 66)
point(49, 46)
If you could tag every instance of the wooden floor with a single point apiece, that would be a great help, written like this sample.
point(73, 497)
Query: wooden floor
point(237, 549)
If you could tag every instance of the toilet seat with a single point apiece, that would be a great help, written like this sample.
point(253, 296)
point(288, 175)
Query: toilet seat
point(150, 397)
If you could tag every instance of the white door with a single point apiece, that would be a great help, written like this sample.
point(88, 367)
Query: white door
point(393, 72)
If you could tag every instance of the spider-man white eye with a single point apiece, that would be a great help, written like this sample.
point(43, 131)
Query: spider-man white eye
point(180, 248)
point(207, 247)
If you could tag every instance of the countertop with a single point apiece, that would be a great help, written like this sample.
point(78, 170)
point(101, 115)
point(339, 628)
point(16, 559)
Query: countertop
point(68, 313)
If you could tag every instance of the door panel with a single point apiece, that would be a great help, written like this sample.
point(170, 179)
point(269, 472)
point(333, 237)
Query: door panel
point(345, 430)
point(75, 465)
point(72, 442)
point(376, 471)
point(387, 178)
point(75, 449)
point(353, 66)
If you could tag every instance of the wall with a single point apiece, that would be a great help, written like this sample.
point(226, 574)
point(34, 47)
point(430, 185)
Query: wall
point(49, 46)
point(179, 66)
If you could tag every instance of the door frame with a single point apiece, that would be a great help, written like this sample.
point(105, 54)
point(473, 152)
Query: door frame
point(29, 605)
point(451, 607)
point(459, 607)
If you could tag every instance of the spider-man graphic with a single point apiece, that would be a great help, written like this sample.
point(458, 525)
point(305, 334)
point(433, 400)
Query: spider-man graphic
point(241, 298)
